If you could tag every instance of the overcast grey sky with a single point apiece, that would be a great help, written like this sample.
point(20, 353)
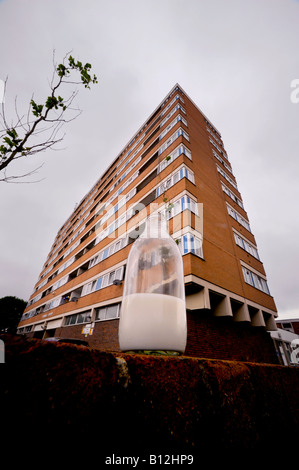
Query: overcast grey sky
point(236, 59)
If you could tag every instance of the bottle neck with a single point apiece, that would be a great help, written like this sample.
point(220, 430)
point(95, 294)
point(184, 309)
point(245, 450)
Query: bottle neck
point(155, 227)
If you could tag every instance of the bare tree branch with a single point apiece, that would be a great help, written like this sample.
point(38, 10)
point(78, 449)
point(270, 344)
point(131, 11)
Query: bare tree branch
point(10, 179)
point(20, 119)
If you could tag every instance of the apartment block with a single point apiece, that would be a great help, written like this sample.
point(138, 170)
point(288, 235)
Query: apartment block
point(175, 163)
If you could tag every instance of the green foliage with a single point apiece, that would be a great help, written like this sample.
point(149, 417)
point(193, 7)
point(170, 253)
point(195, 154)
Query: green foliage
point(84, 70)
point(53, 102)
point(12, 138)
point(12, 141)
point(36, 108)
point(11, 309)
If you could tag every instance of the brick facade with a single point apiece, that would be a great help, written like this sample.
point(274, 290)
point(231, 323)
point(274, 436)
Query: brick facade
point(222, 338)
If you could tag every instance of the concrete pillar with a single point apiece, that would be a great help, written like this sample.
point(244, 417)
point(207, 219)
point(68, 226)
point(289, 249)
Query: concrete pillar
point(242, 313)
point(270, 323)
point(257, 318)
point(223, 308)
point(199, 300)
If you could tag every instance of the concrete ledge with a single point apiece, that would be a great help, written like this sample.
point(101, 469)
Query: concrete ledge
point(122, 403)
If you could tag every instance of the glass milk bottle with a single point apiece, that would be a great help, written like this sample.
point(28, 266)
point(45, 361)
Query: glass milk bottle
point(153, 311)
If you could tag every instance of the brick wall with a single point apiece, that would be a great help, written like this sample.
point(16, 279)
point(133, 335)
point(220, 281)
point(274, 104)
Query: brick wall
point(208, 337)
point(104, 337)
point(222, 338)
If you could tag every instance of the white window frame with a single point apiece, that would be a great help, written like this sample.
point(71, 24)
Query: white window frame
point(105, 309)
point(246, 245)
point(255, 279)
point(238, 217)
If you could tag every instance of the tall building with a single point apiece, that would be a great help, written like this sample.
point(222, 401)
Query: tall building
point(176, 162)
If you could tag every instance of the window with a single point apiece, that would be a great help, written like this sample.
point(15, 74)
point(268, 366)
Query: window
point(255, 280)
point(99, 283)
point(228, 178)
point(105, 280)
point(87, 288)
point(251, 249)
point(220, 150)
point(177, 176)
point(189, 243)
point(178, 106)
point(54, 303)
point(105, 253)
point(185, 247)
point(119, 273)
point(177, 97)
point(118, 245)
point(222, 161)
point(190, 175)
point(185, 202)
point(232, 195)
point(112, 249)
point(178, 133)
point(111, 228)
point(93, 261)
point(233, 213)
point(82, 317)
point(101, 313)
point(112, 311)
point(176, 208)
point(172, 124)
point(287, 326)
point(197, 247)
point(71, 320)
point(108, 312)
point(213, 135)
point(181, 149)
